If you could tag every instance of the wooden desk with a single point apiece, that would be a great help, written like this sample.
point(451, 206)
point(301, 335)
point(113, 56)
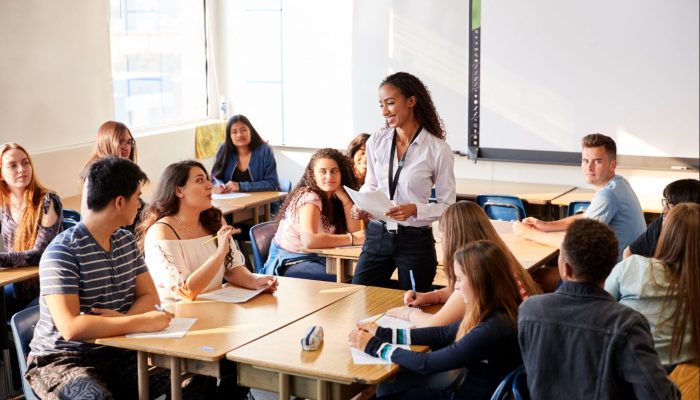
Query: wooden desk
point(650, 204)
point(534, 193)
point(532, 255)
point(9, 276)
point(276, 362)
point(252, 202)
point(222, 327)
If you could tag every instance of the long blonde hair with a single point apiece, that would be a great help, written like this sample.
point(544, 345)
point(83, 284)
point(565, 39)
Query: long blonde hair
point(679, 250)
point(485, 265)
point(107, 142)
point(28, 224)
point(465, 222)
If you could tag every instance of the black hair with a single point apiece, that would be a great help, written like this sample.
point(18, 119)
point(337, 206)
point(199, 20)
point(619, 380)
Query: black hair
point(111, 177)
point(683, 191)
point(590, 247)
point(424, 110)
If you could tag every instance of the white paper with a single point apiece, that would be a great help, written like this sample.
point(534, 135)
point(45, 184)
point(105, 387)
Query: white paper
point(362, 358)
point(375, 203)
point(228, 196)
point(389, 322)
point(230, 294)
point(177, 329)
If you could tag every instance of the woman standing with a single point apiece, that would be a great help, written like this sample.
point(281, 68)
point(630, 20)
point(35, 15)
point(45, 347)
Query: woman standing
point(177, 227)
point(31, 216)
point(405, 161)
point(113, 139)
point(316, 214)
point(244, 162)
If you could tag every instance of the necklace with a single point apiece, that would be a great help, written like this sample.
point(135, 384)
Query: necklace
point(182, 224)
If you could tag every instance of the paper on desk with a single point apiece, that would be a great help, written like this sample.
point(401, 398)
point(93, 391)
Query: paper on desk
point(362, 358)
point(228, 196)
point(230, 294)
point(375, 203)
point(177, 329)
point(389, 322)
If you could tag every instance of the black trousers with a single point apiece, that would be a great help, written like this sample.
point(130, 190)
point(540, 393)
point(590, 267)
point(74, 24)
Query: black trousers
point(408, 249)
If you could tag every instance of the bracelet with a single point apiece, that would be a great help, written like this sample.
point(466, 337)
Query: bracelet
point(352, 242)
point(439, 296)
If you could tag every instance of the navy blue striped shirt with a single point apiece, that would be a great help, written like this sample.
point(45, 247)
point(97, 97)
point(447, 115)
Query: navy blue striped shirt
point(74, 263)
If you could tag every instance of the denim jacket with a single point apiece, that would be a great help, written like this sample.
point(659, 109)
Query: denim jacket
point(262, 168)
point(580, 343)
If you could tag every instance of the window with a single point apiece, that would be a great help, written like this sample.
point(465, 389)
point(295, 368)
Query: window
point(158, 62)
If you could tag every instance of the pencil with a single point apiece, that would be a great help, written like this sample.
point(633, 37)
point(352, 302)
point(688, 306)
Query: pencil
point(209, 240)
point(374, 321)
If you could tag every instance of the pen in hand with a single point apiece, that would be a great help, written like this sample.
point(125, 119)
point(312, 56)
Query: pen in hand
point(413, 284)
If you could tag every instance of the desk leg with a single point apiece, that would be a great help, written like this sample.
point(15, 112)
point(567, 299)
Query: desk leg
point(175, 379)
point(256, 215)
point(321, 390)
point(142, 368)
point(284, 386)
point(268, 212)
point(345, 265)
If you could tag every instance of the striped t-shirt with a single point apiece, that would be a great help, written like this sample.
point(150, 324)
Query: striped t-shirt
point(74, 263)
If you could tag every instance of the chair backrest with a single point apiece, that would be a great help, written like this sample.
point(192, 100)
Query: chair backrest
point(70, 218)
point(502, 207)
point(23, 324)
point(577, 207)
point(504, 391)
point(285, 185)
point(260, 238)
point(519, 386)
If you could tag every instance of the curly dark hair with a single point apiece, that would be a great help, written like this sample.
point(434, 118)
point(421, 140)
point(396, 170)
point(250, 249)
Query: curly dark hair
point(590, 247)
point(166, 203)
point(332, 213)
point(223, 156)
point(424, 110)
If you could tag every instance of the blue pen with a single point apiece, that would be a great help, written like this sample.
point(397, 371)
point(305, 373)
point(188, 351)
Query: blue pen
point(217, 182)
point(413, 284)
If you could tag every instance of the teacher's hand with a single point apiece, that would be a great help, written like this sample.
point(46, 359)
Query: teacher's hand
point(402, 212)
point(357, 213)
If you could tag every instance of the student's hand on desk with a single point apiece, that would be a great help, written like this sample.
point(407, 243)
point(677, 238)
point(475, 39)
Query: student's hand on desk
point(520, 229)
point(218, 189)
point(155, 321)
point(232, 186)
point(269, 283)
point(358, 238)
point(105, 312)
point(403, 312)
point(534, 223)
point(359, 337)
point(421, 299)
point(357, 213)
point(402, 212)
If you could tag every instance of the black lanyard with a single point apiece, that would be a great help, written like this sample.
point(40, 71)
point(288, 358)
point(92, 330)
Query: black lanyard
point(393, 182)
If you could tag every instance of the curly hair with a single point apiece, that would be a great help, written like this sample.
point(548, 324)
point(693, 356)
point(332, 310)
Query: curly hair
point(165, 202)
point(424, 110)
point(590, 247)
point(332, 213)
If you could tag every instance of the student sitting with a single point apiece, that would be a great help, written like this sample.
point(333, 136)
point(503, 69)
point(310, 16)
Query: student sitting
point(462, 223)
point(580, 342)
point(614, 202)
point(358, 155)
point(177, 226)
point(94, 284)
point(30, 217)
point(676, 192)
point(666, 288)
point(483, 344)
point(316, 214)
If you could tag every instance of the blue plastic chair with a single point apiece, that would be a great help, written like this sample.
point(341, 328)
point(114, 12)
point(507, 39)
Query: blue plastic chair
point(70, 218)
point(23, 324)
point(519, 386)
point(577, 207)
point(504, 391)
point(260, 239)
point(285, 185)
point(502, 207)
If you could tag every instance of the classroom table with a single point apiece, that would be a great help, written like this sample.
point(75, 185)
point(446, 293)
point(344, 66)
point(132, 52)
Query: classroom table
point(533, 193)
point(222, 327)
point(276, 362)
point(532, 255)
point(9, 276)
point(249, 203)
point(650, 203)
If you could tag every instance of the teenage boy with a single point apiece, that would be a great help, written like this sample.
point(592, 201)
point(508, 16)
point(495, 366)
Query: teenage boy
point(581, 342)
point(94, 284)
point(614, 202)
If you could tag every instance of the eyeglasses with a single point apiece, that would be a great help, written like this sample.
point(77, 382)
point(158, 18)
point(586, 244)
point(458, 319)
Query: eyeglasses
point(665, 203)
point(130, 142)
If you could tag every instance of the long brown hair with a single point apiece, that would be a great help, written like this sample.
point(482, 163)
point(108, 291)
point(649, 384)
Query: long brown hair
point(424, 110)
point(28, 224)
point(107, 143)
point(679, 251)
point(332, 213)
point(465, 222)
point(165, 201)
point(492, 283)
